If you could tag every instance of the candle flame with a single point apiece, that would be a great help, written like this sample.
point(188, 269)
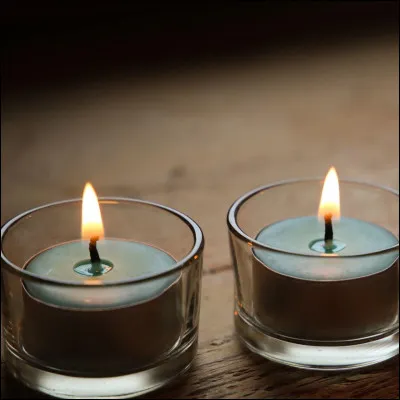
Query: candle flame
point(330, 198)
point(92, 224)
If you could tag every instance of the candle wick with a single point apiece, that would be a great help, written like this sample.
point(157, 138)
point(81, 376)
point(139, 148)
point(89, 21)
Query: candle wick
point(328, 230)
point(94, 254)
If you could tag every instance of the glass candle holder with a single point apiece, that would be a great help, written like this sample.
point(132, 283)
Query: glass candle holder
point(302, 306)
point(125, 331)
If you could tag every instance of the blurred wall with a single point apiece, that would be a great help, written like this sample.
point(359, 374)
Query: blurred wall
point(43, 45)
point(193, 107)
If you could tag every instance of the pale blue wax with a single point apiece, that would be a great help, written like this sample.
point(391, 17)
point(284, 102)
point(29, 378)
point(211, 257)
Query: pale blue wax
point(296, 234)
point(130, 260)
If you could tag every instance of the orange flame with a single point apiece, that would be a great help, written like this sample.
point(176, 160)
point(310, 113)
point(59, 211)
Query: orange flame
point(92, 224)
point(330, 198)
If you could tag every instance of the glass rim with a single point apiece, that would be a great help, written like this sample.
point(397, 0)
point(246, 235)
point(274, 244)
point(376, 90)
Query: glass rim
point(238, 232)
point(183, 263)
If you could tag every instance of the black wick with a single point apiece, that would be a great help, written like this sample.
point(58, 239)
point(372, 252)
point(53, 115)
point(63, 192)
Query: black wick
point(94, 254)
point(328, 229)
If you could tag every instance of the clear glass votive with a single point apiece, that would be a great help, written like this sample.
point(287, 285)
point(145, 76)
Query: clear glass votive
point(300, 306)
point(122, 334)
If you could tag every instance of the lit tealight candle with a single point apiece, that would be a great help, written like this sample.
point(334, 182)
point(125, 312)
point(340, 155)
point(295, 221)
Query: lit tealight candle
point(318, 298)
point(94, 328)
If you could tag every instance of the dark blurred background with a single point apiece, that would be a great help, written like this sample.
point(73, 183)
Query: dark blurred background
point(68, 42)
point(193, 105)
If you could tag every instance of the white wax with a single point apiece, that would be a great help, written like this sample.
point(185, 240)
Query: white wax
point(130, 260)
point(295, 235)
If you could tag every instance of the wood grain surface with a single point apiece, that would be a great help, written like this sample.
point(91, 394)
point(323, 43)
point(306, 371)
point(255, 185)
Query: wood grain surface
point(196, 140)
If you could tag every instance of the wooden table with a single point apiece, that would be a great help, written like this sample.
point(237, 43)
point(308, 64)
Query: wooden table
point(197, 139)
